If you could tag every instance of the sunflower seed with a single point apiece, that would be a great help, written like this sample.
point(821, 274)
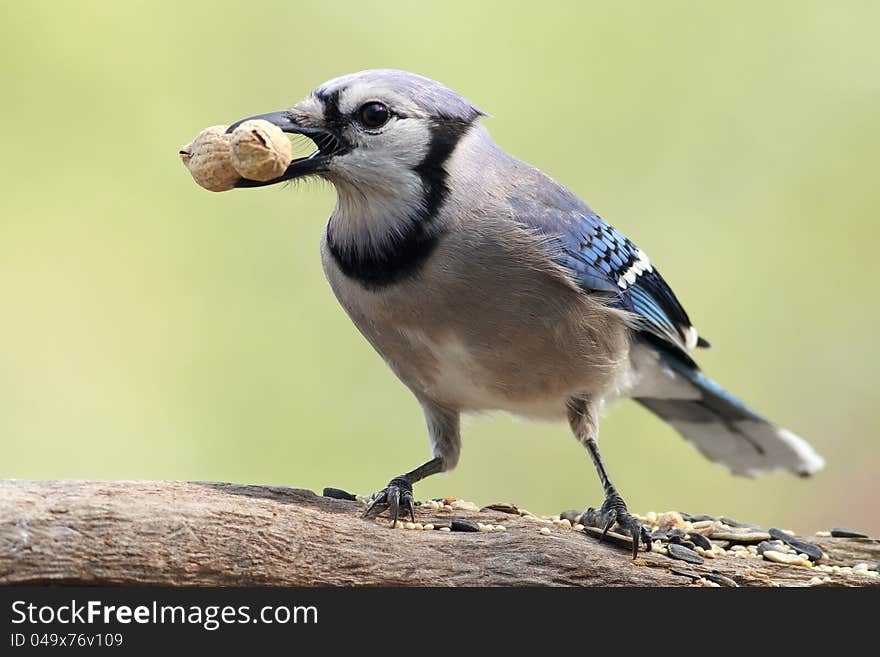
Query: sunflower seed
point(700, 541)
point(810, 549)
point(843, 532)
point(684, 554)
point(763, 546)
point(718, 578)
point(503, 507)
point(730, 522)
point(339, 494)
point(679, 540)
point(459, 525)
point(700, 517)
point(740, 536)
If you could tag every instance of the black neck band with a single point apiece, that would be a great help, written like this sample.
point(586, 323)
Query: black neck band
point(403, 255)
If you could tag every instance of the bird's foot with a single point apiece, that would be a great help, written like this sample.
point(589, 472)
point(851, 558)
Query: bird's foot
point(396, 495)
point(614, 512)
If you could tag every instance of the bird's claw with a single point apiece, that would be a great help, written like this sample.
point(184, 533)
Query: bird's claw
point(613, 511)
point(398, 493)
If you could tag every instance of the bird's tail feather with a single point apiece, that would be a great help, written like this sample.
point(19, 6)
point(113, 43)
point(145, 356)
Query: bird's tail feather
point(727, 431)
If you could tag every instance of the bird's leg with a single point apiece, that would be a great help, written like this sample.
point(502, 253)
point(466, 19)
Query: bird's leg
point(399, 493)
point(582, 418)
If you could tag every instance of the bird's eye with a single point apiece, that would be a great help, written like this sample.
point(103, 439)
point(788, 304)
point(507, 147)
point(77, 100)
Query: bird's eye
point(373, 115)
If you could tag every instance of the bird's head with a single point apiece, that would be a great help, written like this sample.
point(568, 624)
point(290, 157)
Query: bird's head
point(377, 131)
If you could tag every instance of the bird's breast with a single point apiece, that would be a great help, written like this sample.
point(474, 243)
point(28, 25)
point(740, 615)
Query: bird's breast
point(486, 326)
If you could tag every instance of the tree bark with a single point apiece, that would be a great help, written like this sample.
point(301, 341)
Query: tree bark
point(216, 534)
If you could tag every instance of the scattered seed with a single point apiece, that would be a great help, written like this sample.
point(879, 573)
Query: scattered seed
point(730, 522)
point(709, 554)
point(429, 527)
point(500, 528)
point(763, 546)
point(700, 541)
point(459, 525)
point(462, 505)
point(700, 517)
point(670, 520)
point(418, 526)
point(684, 554)
point(860, 567)
point(704, 527)
point(723, 580)
point(843, 532)
point(445, 529)
point(678, 540)
point(503, 507)
point(578, 527)
point(339, 494)
point(485, 528)
point(788, 559)
point(565, 522)
point(740, 536)
point(685, 573)
point(545, 531)
point(823, 534)
point(811, 549)
point(712, 585)
point(398, 524)
point(409, 525)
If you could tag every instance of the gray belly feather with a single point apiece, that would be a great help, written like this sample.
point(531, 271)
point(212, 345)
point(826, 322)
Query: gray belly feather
point(496, 326)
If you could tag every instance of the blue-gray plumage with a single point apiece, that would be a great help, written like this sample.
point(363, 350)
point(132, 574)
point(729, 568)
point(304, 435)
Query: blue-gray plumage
point(487, 285)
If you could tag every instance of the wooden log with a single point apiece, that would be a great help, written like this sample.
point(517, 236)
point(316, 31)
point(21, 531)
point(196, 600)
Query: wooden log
point(217, 534)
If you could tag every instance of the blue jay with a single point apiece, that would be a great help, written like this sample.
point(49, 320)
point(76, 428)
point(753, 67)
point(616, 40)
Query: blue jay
point(486, 285)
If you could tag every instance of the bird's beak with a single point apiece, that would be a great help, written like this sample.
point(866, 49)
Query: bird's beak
point(327, 142)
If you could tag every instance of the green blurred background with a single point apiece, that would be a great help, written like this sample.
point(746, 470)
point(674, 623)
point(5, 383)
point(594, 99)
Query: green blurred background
point(151, 329)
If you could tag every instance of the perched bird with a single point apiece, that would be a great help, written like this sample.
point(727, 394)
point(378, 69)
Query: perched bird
point(486, 285)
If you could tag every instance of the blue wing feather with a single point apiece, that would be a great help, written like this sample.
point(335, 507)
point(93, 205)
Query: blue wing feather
point(601, 258)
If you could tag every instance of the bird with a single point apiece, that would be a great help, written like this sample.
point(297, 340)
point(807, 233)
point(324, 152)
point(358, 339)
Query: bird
point(486, 285)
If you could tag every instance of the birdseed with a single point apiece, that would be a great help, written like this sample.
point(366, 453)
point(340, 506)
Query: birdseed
point(684, 554)
point(787, 559)
point(814, 551)
point(843, 532)
point(459, 525)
